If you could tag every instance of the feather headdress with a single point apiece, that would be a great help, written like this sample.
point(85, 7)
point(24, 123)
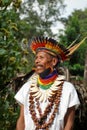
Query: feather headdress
point(51, 46)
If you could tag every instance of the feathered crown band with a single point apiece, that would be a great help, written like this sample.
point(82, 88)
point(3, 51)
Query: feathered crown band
point(53, 47)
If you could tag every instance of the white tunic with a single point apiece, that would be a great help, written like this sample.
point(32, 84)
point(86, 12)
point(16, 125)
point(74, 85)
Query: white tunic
point(69, 98)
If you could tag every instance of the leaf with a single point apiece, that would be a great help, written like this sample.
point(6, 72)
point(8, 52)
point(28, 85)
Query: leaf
point(3, 52)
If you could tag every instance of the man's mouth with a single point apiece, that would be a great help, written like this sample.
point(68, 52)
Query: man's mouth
point(38, 66)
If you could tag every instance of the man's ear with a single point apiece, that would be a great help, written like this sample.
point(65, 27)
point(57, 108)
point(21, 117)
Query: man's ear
point(54, 61)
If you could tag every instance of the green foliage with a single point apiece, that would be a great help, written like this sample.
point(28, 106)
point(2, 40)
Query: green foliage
point(10, 50)
point(75, 26)
point(82, 17)
point(8, 110)
point(77, 69)
point(12, 53)
point(72, 30)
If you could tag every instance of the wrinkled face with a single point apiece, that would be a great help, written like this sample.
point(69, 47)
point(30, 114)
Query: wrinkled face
point(43, 61)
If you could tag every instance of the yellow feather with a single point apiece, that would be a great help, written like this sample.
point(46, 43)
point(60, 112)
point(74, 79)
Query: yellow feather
point(73, 48)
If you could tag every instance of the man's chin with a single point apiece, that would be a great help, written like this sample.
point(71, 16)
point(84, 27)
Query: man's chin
point(38, 71)
point(44, 73)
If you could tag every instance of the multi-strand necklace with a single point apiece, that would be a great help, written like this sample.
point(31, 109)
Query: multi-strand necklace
point(52, 95)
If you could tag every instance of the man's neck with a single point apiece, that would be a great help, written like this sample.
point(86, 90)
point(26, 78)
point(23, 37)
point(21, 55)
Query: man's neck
point(45, 73)
point(48, 73)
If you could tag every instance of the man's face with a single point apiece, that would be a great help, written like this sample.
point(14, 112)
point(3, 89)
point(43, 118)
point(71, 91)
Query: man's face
point(43, 61)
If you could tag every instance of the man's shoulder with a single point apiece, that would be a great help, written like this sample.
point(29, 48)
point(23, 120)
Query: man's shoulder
point(68, 85)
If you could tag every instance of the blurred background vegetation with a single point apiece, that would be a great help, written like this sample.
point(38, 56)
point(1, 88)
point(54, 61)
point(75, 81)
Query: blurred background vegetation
point(19, 22)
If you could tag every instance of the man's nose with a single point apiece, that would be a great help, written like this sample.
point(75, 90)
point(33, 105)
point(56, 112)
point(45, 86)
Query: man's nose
point(37, 61)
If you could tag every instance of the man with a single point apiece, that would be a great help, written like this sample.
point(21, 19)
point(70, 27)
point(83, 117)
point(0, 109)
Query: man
point(47, 101)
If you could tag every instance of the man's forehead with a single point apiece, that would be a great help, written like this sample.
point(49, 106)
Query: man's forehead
point(43, 53)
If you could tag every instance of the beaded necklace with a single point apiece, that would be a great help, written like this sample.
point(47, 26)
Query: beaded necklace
point(47, 81)
point(54, 97)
